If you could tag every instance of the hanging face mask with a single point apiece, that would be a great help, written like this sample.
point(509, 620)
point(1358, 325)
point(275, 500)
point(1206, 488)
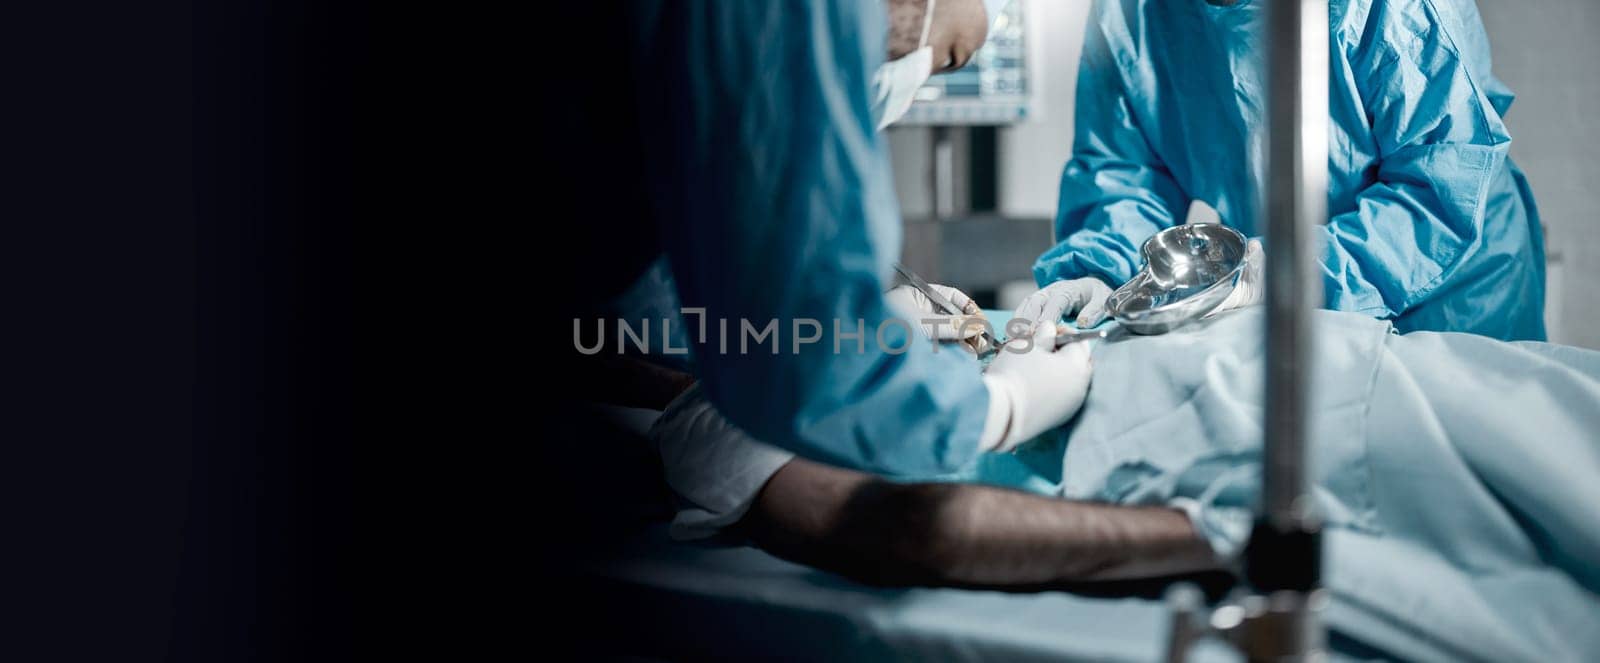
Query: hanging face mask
point(895, 84)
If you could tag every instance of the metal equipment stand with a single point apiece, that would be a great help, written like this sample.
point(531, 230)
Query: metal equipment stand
point(1279, 619)
point(942, 185)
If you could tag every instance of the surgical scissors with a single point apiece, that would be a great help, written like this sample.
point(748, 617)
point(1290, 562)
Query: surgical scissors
point(991, 345)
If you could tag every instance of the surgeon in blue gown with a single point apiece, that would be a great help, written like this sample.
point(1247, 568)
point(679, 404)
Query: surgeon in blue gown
point(1430, 224)
point(767, 187)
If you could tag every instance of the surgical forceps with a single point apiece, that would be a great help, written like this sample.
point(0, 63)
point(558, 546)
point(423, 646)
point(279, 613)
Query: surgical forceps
point(991, 346)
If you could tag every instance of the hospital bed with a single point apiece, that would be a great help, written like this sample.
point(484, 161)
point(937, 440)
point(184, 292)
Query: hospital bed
point(726, 600)
point(731, 601)
point(1446, 542)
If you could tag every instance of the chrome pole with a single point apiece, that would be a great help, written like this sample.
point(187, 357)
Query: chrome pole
point(1279, 617)
point(1283, 559)
point(1297, 198)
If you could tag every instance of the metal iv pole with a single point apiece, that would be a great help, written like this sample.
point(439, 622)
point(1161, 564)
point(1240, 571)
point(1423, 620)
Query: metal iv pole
point(1280, 618)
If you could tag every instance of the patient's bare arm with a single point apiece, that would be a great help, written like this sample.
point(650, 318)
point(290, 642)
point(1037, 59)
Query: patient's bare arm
point(938, 533)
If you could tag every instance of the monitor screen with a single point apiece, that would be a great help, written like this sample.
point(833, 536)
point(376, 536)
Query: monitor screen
point(991, 90)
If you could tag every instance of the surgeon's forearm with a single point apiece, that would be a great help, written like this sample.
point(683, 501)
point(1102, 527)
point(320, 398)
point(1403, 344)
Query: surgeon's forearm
point(963, 534)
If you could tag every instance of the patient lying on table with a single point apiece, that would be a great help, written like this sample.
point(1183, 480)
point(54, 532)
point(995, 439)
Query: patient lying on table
point(1453, 471)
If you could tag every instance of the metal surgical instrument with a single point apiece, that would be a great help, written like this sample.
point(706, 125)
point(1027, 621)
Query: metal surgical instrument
point(991, 346)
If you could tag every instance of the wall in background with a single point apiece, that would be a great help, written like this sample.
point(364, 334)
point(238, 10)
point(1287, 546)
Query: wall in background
point(1547, 52)
point(1033, 153)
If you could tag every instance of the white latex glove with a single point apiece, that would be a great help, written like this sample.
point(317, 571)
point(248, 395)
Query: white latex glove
point(1251, 284)
point(910, 304)
point(1035, 390)
point(1085, 296)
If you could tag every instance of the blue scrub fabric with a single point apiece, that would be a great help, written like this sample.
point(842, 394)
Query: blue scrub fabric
point(774, 203)
point(1429, 225)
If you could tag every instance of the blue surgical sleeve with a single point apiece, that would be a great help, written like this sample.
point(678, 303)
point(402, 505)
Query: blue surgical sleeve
point(776, 206)
point(1440, 143)
point(1115, 192)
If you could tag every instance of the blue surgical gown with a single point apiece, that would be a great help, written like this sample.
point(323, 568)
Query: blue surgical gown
point(1430, 223)
point(772, 197)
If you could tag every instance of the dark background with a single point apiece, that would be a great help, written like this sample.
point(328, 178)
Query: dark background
point(270, 292)
point(179, 217)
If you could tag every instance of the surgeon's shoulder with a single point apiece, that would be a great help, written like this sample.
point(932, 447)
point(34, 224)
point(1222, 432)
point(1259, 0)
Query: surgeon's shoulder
point(1114, 32)
point(1359, 26)
point(1399, 24)
point(1121, 21)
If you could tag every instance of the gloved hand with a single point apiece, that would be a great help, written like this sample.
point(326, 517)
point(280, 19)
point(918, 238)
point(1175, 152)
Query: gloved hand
point(1085, 296)
point(1032, 388)
point(910, 304)
point(1251, 285)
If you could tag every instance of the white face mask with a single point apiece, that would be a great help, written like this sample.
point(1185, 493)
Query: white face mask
point(895, 83)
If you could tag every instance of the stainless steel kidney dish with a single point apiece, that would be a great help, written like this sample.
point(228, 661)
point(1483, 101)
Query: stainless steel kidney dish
point(1188, 271)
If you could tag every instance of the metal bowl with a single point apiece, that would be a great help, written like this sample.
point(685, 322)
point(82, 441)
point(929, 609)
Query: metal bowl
point(1188, 271)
